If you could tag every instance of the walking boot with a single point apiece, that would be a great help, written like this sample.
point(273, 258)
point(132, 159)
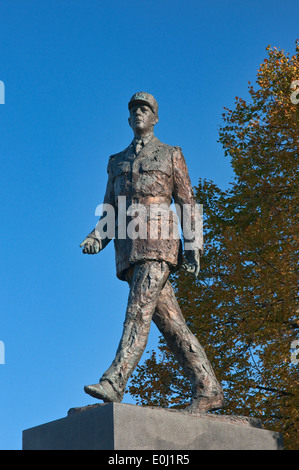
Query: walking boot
point(103, 391)
point(202, 404)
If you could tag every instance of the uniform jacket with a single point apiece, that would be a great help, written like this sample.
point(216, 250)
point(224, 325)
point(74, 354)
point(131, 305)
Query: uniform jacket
point(146, 184)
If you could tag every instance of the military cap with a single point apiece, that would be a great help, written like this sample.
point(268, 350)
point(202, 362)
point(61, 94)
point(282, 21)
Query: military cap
point(144, 98)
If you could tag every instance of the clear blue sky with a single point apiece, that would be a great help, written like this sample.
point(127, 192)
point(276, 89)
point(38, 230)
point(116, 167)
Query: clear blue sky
point(69, 69)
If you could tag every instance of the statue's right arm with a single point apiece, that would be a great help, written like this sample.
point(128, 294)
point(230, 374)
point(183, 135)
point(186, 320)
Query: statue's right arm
point(94, 243)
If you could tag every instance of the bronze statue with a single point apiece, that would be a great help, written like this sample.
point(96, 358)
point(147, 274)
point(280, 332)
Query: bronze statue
point(150, 174)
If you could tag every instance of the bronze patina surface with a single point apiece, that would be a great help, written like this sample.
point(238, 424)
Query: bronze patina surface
point(143, 180)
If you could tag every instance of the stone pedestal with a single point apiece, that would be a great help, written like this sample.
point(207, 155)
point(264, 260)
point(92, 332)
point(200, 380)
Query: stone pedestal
point(117, 426)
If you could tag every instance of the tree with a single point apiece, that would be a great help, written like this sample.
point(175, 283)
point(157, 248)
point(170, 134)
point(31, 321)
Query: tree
point(244, 306)
point(262, 241)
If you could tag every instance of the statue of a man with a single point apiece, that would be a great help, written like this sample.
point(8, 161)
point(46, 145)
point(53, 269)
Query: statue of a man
point(150, 174)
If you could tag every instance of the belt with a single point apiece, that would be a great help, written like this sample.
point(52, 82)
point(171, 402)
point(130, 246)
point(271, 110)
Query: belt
point(151, 200)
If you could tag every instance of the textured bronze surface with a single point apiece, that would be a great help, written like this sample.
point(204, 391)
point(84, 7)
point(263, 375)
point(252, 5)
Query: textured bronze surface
point(146, 177)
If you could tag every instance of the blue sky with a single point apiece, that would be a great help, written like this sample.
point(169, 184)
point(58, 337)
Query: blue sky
point(69, 69)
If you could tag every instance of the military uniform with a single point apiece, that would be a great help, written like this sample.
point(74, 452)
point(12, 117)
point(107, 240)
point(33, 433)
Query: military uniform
point(151, 179)
point(147, 175)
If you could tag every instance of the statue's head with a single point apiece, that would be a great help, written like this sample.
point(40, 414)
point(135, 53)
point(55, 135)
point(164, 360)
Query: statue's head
point(143, 113)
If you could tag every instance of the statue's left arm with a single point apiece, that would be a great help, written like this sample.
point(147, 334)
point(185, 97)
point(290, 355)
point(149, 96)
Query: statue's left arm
point(188, 211)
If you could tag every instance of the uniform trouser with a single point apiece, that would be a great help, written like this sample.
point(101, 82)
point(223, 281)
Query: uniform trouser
point(152, 298)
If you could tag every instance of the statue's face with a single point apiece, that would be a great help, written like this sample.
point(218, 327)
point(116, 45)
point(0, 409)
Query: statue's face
point(142, 119)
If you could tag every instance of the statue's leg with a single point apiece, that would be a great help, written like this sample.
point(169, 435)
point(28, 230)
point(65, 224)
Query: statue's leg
point(148, 279)
point(206, 391)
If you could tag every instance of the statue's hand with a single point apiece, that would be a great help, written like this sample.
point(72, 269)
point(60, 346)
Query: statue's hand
point(91, 246)
point(193, 262)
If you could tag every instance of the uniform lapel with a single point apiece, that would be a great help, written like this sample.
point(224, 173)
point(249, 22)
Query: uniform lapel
point(148, 148)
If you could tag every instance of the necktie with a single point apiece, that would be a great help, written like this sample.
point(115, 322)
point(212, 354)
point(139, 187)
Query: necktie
point(138, 145)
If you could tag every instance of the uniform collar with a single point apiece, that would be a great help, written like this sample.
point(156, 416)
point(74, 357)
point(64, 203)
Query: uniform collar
point(144, 139)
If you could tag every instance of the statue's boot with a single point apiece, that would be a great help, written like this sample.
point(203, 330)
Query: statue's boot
point(103, 391)
point(205, 404)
